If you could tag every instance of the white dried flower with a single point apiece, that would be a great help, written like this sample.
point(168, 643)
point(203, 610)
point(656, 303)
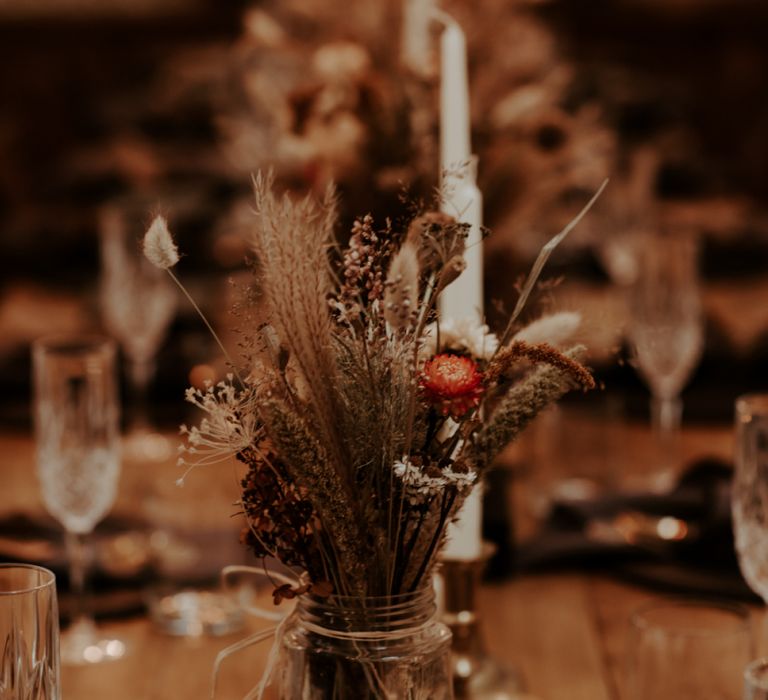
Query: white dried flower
point(556, 329)
point(159, 247)
point(420, 487)
point(229, 426)
point(461, 335)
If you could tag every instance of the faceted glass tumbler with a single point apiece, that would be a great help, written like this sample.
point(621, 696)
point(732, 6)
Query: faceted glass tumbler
point(29, 634)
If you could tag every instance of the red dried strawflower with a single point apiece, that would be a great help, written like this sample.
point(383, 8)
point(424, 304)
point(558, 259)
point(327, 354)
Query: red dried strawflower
point(452, 384)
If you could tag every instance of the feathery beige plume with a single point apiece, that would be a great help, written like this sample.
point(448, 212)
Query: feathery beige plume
point(291, 240)
point(401, 290)
point(556, 329)
point(159, 247)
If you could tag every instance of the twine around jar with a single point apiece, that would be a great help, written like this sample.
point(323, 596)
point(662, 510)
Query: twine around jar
point(400, 609)
point(257, 692)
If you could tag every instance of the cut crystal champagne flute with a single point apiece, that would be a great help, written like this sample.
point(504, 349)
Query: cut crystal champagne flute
point(749, 512)
point(666, 334)
point(78, 463)
point(749, 492)
point(29, 633)
point(138, 304)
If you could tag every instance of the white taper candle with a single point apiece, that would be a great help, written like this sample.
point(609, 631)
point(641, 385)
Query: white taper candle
point(462, 200)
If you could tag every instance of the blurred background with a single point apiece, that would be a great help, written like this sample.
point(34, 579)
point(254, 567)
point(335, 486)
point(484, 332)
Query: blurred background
point(116, 110)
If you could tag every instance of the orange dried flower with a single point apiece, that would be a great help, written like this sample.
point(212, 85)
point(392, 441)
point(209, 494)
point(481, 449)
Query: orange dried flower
point(452, 384)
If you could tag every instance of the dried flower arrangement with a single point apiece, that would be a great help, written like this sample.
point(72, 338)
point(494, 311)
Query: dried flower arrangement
point(364, 420)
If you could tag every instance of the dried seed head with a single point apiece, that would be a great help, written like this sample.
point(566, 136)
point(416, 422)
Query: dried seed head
point(159, 247)
point(402, 287)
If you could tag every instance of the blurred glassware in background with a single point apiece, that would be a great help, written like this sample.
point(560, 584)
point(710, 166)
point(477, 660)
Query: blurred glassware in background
point(756, 680)
point(688, 650)
point(77, 436)
point(138, 303)
point(185, 551)
point(749, 492)
point(626, 215)
point(666, 334)
point(194, 611)
point(29, 633)
point(576, 452)
point(188, 551)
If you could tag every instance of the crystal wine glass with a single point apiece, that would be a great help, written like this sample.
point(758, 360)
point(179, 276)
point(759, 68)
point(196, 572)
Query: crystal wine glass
point(666, 333)
point(78, 463)
point(138, 304)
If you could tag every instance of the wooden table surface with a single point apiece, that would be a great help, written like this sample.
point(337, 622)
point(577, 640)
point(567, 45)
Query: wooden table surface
point(566, 633)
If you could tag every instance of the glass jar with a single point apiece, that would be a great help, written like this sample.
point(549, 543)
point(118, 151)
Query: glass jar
point(345, 648)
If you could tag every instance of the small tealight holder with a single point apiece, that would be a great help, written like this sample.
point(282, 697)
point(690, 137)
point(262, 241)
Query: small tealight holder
point(476, 674)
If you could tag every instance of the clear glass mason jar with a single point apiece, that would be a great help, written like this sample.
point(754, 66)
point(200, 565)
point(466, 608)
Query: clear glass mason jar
point(347, 648)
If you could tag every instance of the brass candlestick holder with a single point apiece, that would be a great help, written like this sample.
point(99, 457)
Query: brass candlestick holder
point(476, 674)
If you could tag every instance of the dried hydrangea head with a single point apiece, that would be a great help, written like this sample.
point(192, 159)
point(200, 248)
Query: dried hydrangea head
point(159, 247)
point(452, 384)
